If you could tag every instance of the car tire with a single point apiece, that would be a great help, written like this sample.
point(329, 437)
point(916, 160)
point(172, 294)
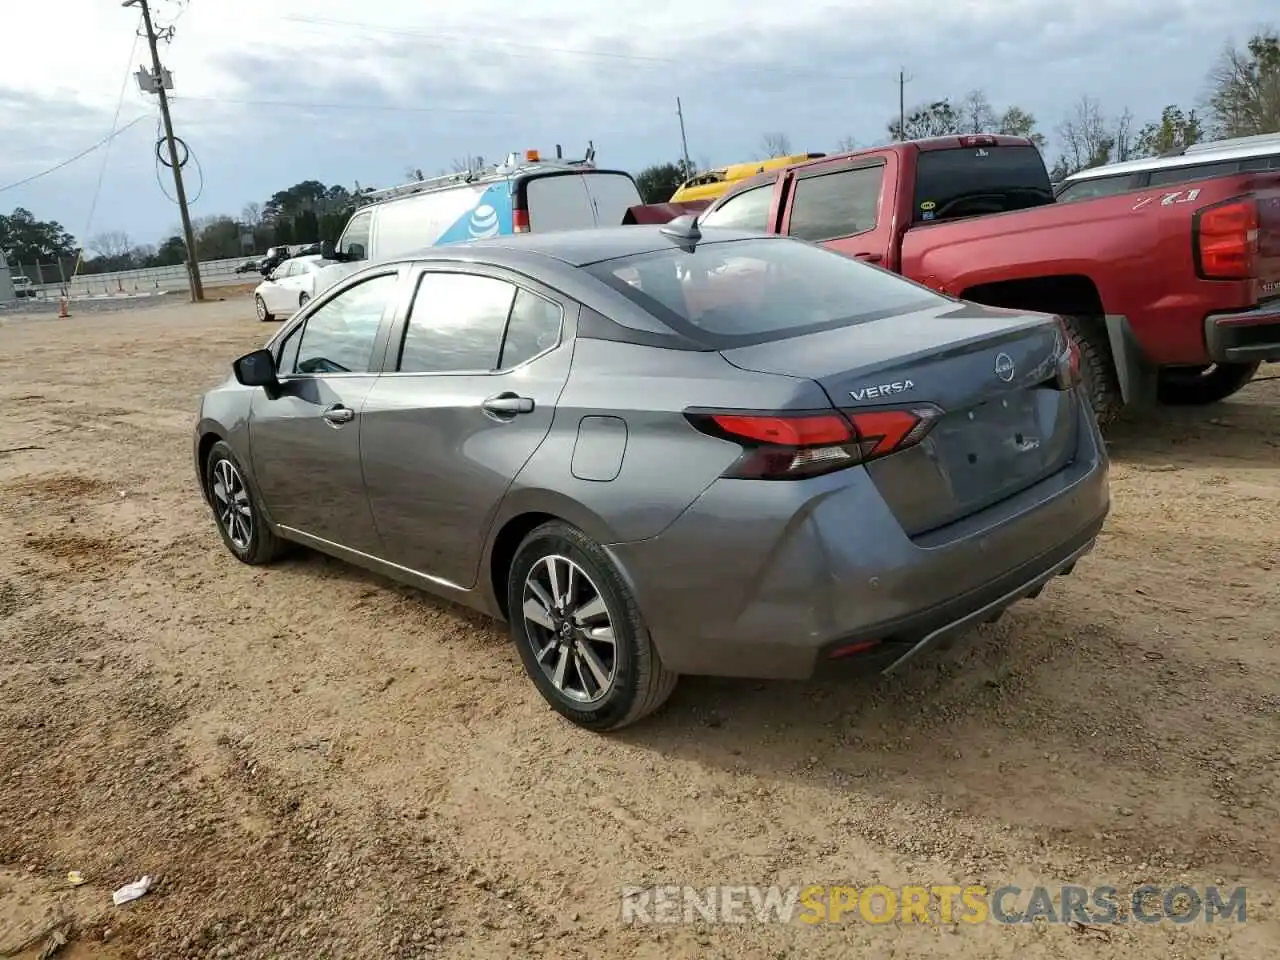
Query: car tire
point(598, 604)
point(244, 532)
point(303, 299)
point(260, 307)
point(1097, 371)
point(1200, 386)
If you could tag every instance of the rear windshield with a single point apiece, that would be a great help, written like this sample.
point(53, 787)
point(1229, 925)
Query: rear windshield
point(739, 292)
point(966, 181)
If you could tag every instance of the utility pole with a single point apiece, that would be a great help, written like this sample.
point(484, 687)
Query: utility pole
point(684, 144)
point(158, 85)
point(902, 105)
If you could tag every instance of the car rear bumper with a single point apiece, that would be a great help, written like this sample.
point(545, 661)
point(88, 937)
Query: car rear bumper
point(1246, 336)
point(775, 580)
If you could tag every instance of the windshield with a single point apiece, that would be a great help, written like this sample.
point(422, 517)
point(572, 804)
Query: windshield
point(966, 181)
point(740, 292)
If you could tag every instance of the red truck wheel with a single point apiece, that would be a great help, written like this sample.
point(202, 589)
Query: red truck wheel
point(1097, 370)
point(1199, 386)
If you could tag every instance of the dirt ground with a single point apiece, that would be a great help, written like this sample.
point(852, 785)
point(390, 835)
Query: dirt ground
point(313, 762)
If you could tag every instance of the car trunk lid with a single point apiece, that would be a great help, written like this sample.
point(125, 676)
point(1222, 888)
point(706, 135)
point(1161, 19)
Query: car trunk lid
point(1004, 424)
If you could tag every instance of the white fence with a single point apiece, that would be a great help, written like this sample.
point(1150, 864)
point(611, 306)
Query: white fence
point(149, 280)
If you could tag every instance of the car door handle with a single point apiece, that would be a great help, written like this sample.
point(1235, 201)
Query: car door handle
point(339, 414)
point(508, 404)
point(869, 257)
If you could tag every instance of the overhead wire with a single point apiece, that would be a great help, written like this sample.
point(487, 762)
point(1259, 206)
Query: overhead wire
point(79, 156)
point(106, 155)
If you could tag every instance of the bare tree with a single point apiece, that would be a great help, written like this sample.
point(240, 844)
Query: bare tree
point(1244, 87)
point(111, 244)
point(845, 144)
point(466, 164)
point(1086, 138)
point(976, 114)
point(414, 173)
point(1124, 141)
point(251, 215)
point(775, 145)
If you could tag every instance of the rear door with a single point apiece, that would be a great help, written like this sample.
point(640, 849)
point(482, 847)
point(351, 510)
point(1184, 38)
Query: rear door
point(846, 205)
point(559, 201)
point(474, 373)
point(612, 195)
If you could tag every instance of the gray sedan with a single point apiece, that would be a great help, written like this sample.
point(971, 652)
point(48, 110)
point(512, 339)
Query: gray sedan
point(662, 450)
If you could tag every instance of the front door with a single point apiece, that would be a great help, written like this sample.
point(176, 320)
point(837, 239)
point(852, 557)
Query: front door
point(305, 441)
point(478, 370)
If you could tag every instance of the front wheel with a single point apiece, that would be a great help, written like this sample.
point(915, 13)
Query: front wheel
point(1200, 386)
point(580, 633)
point(240, 522)
point(260, 307)
point(302, 300)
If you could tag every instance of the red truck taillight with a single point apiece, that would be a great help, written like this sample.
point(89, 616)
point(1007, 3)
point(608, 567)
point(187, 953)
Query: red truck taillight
point(1225, 239)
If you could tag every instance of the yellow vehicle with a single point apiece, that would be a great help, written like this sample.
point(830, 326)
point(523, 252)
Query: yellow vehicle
point(712, 183)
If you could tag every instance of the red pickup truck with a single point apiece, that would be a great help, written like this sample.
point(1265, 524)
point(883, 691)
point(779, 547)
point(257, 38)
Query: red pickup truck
point(1172, 294)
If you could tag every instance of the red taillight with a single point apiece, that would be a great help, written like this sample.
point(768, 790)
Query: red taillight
point(785, 446)
point(980, 140)
point(519, 221)
point(1226, 240)
point(1068, 373)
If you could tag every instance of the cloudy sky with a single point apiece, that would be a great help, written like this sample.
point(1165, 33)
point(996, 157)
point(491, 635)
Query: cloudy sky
point(268, 94)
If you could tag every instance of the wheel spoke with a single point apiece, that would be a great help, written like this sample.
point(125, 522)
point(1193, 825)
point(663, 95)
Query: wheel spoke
point(535, 612)
point(591, 609)
point(553, 578)
point(603, 634)
point(557, 678)
point(599, 672)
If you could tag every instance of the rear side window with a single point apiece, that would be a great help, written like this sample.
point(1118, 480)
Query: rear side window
point(966, 181)
point(837, 204)
point(1097, 187)
point(455, 324)
point(1254, 164)
point(1204, 171)
point(735, 293)
point(533, 328)
point(748, 210)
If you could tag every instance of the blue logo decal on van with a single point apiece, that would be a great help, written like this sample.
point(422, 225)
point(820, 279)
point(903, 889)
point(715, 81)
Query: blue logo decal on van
point(490, 217)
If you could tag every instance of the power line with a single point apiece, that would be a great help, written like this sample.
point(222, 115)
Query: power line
point(538, 49)
point(386, 107)
point(70, 160)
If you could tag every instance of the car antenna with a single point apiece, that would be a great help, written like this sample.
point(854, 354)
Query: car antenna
point(684, 230)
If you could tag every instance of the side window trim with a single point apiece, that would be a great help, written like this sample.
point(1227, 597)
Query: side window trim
point(376, 363)
point(395, 339)
point(862, 163)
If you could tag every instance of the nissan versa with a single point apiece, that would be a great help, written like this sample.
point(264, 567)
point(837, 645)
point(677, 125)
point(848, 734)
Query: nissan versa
point(665, 450)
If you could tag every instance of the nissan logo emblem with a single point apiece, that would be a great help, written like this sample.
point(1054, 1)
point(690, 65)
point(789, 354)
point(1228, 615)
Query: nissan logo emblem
point(1004, 367)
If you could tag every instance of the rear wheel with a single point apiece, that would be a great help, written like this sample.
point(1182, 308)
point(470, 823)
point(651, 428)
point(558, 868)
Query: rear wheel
point(1097, 370)
point(260, 307)
point(580, 633)
point(1199, 386)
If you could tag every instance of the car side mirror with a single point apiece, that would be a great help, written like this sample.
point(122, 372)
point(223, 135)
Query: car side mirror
point(327, 251)
point(257, 369)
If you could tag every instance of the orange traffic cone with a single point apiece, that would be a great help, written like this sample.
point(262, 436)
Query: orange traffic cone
point(63, 312)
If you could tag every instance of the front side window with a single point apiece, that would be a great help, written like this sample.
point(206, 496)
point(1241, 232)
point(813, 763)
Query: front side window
point(736, 293)
point(836, 204)
point(455, 324)
point(355, 239)
point(340, 335)
point(748, 210)
point(1091, 189)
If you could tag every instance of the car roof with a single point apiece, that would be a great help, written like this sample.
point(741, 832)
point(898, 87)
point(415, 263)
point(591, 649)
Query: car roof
point(577, 248)
point(1241, 148)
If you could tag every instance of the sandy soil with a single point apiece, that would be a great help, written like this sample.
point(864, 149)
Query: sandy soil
point(317, 763)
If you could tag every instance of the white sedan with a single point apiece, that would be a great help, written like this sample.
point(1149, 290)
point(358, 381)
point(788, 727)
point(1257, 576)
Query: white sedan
point(290, 286)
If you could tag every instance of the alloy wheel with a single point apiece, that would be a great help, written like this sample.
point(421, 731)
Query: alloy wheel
point(231, 504)
point(260, 306)
point(569, 626)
